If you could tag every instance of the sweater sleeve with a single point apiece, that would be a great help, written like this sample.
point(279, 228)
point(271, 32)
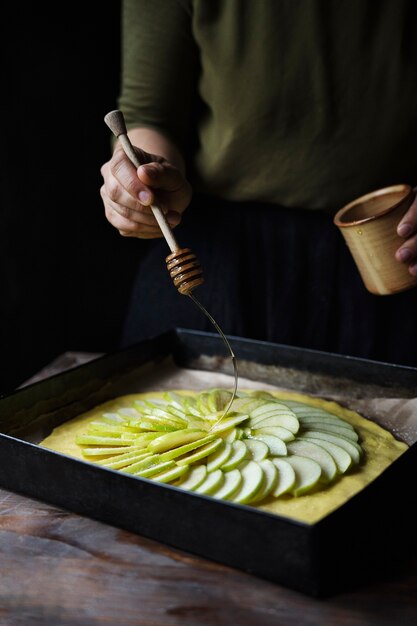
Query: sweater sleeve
point(159, 67)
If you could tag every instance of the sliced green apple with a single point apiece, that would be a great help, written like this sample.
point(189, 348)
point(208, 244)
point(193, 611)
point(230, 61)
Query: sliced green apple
point(228, 422)
point(232, 434)
point(277, 431)
point(276, 446)
point(316, 453)
point(211, 483)
point(218, 399)
point(201, 453)
point(145, 426)
point(351, 447)
point(271, 477)
point(262, 447)
point(97, 440)
point(307, 474)
point(328, 419)
point(331, 428)
point(239, 452)
point(282, 420)
point(155, 469)
point(142, 464)
point(172, 474)
point(175, 439)
point(186, 448)
point(342, 458)
point(123, 460)
point(107, 430)
point(257, 450)
point(232, 482)
point(216, 460)
point(253, 478)
point(245, 405)
point(271, 407)
point(194, 478)
point(113, 418)
point(106, 451)
point(286, 477)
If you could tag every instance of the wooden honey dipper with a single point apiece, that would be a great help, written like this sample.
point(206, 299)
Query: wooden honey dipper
point(182, 264)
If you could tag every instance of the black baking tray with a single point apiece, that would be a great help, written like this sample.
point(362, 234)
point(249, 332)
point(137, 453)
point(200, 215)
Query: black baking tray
point(364, 539)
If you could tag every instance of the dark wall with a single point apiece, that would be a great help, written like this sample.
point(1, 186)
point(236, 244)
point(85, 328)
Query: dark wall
point(65, 272)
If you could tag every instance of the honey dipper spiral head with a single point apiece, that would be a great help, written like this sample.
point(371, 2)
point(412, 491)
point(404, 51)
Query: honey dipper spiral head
point(185, 270)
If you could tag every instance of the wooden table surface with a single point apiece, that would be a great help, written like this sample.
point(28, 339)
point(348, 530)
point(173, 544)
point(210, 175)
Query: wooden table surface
point(59, 568)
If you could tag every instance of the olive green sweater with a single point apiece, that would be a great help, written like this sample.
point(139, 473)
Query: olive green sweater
point(303, 103)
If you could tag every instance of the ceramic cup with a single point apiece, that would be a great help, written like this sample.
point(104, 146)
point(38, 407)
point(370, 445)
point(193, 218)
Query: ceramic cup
point(369, 226)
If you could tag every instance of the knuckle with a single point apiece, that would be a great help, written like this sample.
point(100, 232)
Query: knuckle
point(113, 189)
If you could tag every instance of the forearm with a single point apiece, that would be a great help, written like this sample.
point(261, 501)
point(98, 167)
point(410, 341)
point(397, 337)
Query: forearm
point(155, 142)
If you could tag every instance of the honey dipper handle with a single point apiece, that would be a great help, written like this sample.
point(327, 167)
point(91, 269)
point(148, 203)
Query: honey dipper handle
point(115, 121)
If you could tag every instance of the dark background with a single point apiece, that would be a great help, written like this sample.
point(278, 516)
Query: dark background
point(65, 273)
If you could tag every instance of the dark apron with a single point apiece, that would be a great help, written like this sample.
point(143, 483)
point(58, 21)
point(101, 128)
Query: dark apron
point(272, 274)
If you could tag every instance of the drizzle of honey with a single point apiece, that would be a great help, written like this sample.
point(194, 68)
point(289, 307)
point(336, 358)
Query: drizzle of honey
point(228, 346)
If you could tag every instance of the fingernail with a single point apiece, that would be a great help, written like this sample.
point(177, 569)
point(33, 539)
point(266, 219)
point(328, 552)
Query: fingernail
point(145, 197)
point(404, 230)
point(404, 255)
point(413, 269)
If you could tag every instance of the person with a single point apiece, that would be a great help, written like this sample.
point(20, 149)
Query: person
point(260, 120)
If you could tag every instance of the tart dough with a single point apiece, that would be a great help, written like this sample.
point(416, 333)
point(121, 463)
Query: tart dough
point(379, 446)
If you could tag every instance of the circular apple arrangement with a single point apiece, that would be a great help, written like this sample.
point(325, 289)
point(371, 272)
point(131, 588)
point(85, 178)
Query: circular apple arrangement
point(263, 448)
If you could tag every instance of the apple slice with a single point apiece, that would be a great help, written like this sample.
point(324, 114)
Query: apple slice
point(331, 428)
point(194, 478)
point(162, 417)
point(98, 440)
point(326, 418)
point(232, 482)
point(271, 407)
point(245, 405)
point(145, 426)
point(113, 418)
point(172, 474)
point(277, 431)
point(239, 452)
point(186, 448)
point(316, 453)
point(271, 477)
point(283, 420)
point(211, 483)
point(216, 460)
point(286, 477)
point(276, 446)
point(218, 399)
point(253, 478)
point(202, 404)
point(129, 412)
point(342, 458)
point(231, 435)
point(351, 447)
point(123, 460)
point(175, 439)
point(142, 464)
point(201, 453)
point(155, 469)
point(257, 450)
point(228, 422)
point(106, 451)
point(307, 474)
